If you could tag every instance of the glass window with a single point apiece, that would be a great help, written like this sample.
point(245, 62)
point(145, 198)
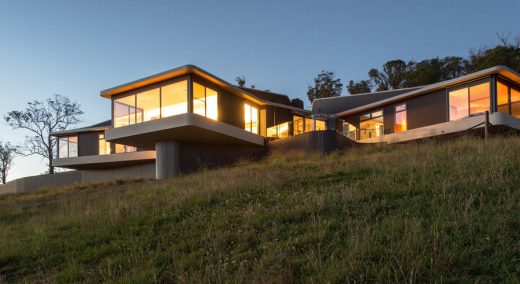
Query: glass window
point(278, 131)
point(321, 125)
point(199, 99)
point(349, 130)
point(298, 125)
point(68, 147)
point(400, 118)
point(174, 98)
point(479, 98)
point(124, 111)
point(371, 125)
point(149, 105)
point(250, 118)
point(124, 148)
point(205, 101)
point(515, 102)
point(212, 104)
point(63, 147)
point(104, 146)
point(502, 97)
point(73, 146)
point(309, 124)
point(458, 103)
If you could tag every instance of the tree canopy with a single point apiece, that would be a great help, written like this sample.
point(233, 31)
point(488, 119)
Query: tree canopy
point(7, 154)
point(41, 118)
point(397, 74)
point(325, 85)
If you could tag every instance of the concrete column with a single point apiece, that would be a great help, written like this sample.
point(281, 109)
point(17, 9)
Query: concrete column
point(167, 161)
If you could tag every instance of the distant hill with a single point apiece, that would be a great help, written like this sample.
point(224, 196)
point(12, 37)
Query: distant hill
point(436, 211)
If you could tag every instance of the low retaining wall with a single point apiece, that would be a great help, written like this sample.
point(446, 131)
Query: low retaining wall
point(34, 183)
point(313, 142)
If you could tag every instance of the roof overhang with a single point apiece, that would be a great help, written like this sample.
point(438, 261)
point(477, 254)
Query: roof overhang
point(500, 70)
point(97, 162)
point(184, 70)
point(187, 127)
point(78, 131)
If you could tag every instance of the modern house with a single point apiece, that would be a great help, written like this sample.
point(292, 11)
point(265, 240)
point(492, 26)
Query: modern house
point(187, 118)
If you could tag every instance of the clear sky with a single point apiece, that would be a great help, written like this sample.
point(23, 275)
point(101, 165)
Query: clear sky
point(77, 48)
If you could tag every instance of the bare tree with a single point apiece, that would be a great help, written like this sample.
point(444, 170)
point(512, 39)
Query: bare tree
point(42, 118)
point(7, 154)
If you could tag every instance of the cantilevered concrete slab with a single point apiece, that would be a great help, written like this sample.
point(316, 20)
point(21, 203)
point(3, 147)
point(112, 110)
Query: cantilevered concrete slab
point(105, 161)
point(187, 127)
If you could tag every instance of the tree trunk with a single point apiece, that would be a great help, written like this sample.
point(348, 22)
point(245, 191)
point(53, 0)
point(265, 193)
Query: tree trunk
point(4, 178)
point(51, 168)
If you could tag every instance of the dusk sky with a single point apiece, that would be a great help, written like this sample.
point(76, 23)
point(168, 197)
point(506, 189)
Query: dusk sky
point(77, 48)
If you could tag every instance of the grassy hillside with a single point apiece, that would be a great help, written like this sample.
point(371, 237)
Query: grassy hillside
point(445, 211)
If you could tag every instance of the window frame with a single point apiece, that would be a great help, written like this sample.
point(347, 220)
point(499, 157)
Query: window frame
point(468, 85)
point(67, 139)
point(405, 110)
point(250, 122)
point(159, 86)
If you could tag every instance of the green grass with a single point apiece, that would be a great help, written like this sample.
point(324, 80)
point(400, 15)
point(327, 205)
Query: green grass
point(434, 212)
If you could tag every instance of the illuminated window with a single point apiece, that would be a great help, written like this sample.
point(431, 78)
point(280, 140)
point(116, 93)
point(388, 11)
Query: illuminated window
point(349, 130)
point(174, 98)
point(298, 125)
point(278, 131)
point(515, 102)
point(124, 148)
point(502, 97)
point(124, 111)
point(68, 147)
point(320, 125)
point(104, 146)
point(400, 118)
point(458, 103)
point(250, 118)
point(371, 125)
point(309, 124)
point(479, 98)
point(205, 101)
point(470, 100)
point(149, 105)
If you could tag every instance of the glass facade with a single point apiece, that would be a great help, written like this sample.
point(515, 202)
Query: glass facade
point(400, 118)
point(508, 99)
point(124, 111)
point(104, 146)
point(349, 130)
point(68, 147)
point(250, 118)
point(298, 125)
point(469, 100)
point(174, 99)
point(205, 101)
point(371, 125)
point(119, 148)
point(168, 100)
point(149, 105)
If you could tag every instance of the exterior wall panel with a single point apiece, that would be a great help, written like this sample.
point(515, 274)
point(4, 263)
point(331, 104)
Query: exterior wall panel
point(389, 118)
point(88, 144)
point(427, 109)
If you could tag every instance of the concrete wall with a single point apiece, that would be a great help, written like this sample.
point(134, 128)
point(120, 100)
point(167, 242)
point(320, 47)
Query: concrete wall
point(35, 183)
point(312, 142)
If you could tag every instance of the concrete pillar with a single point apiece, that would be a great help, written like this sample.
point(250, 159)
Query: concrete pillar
point(167, 162)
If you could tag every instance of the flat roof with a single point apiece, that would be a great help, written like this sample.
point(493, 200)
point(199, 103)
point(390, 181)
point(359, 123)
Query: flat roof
point(102, 126)
point(502, 70)
point(190, 69)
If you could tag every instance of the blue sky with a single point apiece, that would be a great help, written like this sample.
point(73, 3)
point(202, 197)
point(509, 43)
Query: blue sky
point(77, 48)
